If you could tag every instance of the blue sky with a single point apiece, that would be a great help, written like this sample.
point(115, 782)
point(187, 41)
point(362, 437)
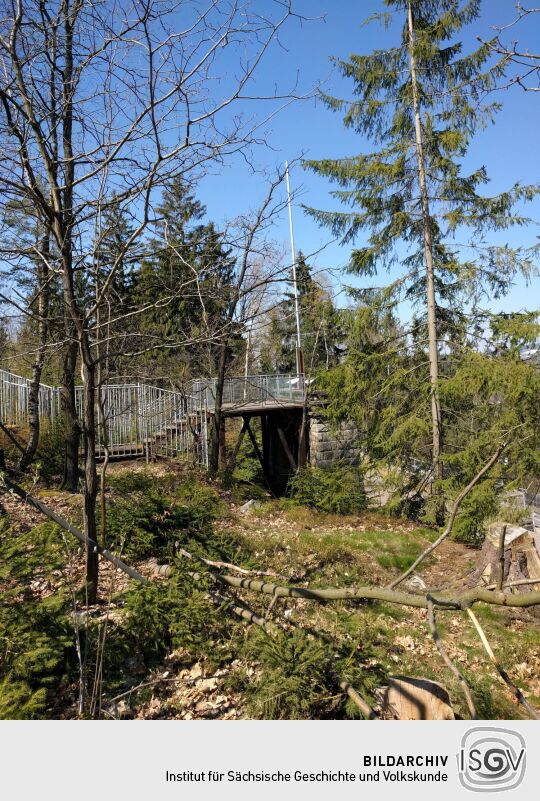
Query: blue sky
point(509, 150)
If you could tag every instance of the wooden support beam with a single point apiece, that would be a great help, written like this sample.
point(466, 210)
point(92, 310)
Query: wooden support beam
point(255, 445)
point(267, 451)
point(302, 438)
point(283, 439)
point(222, 445)
point(238, 445)
point(259, 454)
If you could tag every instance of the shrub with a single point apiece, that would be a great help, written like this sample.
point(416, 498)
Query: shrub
point(178, 613)
point(338, 489)
point(125, 482)
point(201, 503)
point(49, 461)
point(18, 701)
point(149, 519)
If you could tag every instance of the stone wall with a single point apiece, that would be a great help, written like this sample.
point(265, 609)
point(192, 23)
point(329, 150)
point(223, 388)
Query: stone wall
point(328, 446)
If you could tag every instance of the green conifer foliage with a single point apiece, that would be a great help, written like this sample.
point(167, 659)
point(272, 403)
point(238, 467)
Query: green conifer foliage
point(417, 210)
point(37, 645)
point(320, 326)
point(184, 288)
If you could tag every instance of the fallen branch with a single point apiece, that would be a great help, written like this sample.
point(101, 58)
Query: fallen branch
point(455, 508)
point(227, 565)
point(500, 670)
point(251, 617)
point(442, 650)
point(362, 705)
point(460, 584)
point(517, 583)
point(443, 600)
point(461, 601)
point(273, 602)
point(189, 682)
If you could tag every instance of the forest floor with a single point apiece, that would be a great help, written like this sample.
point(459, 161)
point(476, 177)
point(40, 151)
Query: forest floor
point(303, 547)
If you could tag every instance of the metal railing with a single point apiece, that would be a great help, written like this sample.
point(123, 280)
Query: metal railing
point(253, 390)
point(14, 394)
point(141, 419)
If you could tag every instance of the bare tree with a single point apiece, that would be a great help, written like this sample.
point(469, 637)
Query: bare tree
point(30, 243)
point(104, 103)
point(524, 63)
point(250, 241)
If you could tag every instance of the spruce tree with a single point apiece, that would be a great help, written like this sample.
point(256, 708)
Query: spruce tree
point(117, 229)
point(320, 327)
point(184, 287)
point(419, 104)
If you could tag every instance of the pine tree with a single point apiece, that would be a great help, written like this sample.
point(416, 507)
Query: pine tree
point(491, 396)
point(418, 102)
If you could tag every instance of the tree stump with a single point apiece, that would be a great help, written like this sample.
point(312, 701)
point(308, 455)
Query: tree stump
point(518, 561)
point(412, 698)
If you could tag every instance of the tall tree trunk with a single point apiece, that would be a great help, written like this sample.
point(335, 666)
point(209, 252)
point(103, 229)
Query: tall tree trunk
point(90, 473)
point(74, 308)
point(428, 248)
point(42, 292)
point(217, 420)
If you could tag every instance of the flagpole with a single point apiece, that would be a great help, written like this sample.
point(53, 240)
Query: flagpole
point(299, 354)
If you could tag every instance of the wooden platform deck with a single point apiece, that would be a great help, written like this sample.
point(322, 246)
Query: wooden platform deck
point(250, 407)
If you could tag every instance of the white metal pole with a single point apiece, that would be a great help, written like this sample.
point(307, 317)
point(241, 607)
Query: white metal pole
point(248, 351)
point(299, 360)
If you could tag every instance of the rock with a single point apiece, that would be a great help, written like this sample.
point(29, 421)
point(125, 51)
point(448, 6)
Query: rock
point(406, 642)
point(196, 671)
point(409, 698)
point(416, 583)
point(122, 710)
point(206, 685)
point(248, 507)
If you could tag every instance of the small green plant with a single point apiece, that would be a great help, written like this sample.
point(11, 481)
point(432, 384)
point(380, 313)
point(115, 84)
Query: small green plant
point(49, 461)
point(151, 516)
point(178, 613)
point(338, 489)
point(37, 653)
point(294, 681)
